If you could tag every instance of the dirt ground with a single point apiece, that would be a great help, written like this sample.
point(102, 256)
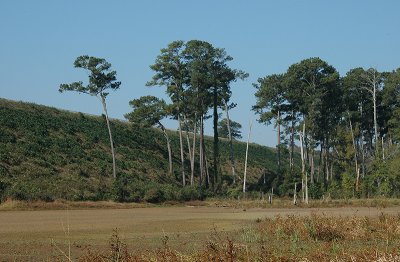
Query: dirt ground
point(45, 234)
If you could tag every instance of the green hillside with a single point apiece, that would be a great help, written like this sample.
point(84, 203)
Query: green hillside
point(47, 154)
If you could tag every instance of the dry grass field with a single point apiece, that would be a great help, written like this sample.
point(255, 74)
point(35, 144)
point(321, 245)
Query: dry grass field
point(50, 234)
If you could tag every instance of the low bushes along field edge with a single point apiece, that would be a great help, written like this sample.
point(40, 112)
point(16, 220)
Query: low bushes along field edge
point(10, 204)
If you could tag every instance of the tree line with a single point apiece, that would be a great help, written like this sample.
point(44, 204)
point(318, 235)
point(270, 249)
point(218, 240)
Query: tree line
point(341, 126)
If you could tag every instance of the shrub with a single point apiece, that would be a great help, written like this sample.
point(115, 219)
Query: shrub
point(171, 192)
point(7, 136)
point(30, 190)
point(154, 195)
point(316, 190)
point(334, 189)
point(128, 188)
point(348, 183)
point(235, 192)
point(190, 193)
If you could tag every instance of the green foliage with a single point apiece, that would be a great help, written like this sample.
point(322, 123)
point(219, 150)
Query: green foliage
point(348, 185)
point(131, 188)
point(394, 124)
point(351, 122)
point(334, 189)
point(191, 193)
point(154, 195)
point(316, 190)
point(128, 188)
point(235, 129)
point(270, 97)
point(385, 177)
point(101, 77)
point(51, 154)
point(235, 192)
point(147, 111)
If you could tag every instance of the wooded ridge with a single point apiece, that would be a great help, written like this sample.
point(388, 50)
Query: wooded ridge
point(47, 154)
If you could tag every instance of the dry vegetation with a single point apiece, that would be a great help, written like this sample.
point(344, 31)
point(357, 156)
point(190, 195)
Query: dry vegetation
point(10, 204)
point(289, 238)
point(288, 203)
point(202, 234)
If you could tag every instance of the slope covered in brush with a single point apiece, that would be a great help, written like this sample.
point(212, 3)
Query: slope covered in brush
point(47, 153)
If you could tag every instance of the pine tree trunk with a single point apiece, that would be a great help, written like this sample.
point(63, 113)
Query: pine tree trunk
point(193, 153)
point(306, 178)
point(245, 162)
point(303, 161)
point(201, 159)
point(375, 116)
point(231, 157)
point(327, 161)
point(216, 141)
point(302, 154)
point(363, 159)
point(312, 175)
point(362, 146)
point(189, 147)
point(188, 142)
point(191, 159)
point(375, 125)
point(306, 151)
point(181, 146)
point(320, 161)
point(206, 165)
point(168, 147)
point(103, 102)
point(278, 124)
point(355, 153)
point(292, 143)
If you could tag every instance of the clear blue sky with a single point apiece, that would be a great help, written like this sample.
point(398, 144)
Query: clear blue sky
point(39, 40)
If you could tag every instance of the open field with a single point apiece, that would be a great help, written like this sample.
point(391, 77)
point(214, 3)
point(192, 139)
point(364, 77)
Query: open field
point(41, 234)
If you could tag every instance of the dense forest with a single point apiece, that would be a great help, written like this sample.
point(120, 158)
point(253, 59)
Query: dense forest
point(338, 136)
point(347, 127)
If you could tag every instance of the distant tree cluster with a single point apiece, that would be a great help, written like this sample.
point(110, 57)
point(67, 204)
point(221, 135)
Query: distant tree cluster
point(344, 125)
point(197, 78)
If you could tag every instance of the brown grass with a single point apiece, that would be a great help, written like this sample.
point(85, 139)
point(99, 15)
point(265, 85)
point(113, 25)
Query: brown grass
point(10, 204)
point(288, 203)
point(290, 238)
point(194, 233)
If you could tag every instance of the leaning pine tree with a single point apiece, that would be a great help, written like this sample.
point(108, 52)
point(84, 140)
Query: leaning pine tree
point(101, 79)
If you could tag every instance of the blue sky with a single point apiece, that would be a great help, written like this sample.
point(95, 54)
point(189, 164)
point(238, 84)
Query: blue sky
point(39, 40)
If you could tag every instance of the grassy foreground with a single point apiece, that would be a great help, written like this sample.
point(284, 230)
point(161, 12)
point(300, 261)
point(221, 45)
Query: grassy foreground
point(289, 238)
point(195, 232)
